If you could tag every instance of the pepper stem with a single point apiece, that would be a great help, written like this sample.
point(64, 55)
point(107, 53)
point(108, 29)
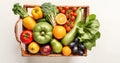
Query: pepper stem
point(42, 33)
point(26, 35)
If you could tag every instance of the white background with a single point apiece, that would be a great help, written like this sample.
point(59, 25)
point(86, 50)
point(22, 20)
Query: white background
point(107, 48)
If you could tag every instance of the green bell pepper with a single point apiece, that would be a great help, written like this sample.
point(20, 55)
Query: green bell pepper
point(42, 32)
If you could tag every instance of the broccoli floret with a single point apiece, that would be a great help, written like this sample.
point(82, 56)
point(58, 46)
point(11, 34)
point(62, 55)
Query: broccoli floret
point(19, 10)
point(50, 11)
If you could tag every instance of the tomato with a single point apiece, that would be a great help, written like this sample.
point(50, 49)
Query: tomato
point(62, 11)
point(60, 8)
point(67, 27)
point(67, 22)
point(71, 13)
point(73, 18)
point(72, 25)
point(68, 16)
point(74, 14)
point(26, 36)
point(66, 7)
point(74, 9)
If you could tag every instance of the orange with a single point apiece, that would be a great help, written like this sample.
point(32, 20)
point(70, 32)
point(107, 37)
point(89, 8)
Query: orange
point(66, 50)
point(61, 19)
point(59, 32)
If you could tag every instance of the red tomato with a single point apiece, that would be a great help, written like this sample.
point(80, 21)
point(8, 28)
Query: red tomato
point(65, 26)
point(68, 16)
point(66, 7)
point(60, 8)
point(74, 9)
point(74, 14)
point(72, 25)
point(26, 36)
point(73, 18)
point(67, 22)
point(63, 11)
point(68, 28)
point(71, 13)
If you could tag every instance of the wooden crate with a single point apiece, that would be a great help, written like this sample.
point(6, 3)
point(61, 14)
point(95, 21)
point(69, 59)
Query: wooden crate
point(24, 52)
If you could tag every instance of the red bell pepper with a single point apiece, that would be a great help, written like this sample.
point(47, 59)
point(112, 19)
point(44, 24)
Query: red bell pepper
point(26, 36)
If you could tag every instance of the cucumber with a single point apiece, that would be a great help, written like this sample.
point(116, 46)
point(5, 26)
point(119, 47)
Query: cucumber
point(70, 36)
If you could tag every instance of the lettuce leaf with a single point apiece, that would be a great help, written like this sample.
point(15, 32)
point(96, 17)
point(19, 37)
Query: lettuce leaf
point(89, 44)
point(90, 17)
point(88, 32)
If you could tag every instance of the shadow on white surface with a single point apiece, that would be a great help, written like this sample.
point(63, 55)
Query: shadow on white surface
point(57, 59)
point(48, 60)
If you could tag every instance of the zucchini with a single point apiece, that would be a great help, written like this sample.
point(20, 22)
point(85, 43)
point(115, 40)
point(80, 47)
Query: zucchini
point(70, 36)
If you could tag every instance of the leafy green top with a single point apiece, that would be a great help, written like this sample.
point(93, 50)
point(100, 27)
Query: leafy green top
point(17, 9)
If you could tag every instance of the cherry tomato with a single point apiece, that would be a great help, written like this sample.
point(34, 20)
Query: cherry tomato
point(71, 13)
point(67, 22)
point(74, 9)
point(68, 28)
point(68, 16)
point(63, 11)
point(65, 26)
point(66, 7)
point(60, 8)
point(73, 18)
point(72, 25)
point(74, 14)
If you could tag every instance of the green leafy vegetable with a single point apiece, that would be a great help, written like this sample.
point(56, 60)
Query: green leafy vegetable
point(88, 32)
point(17, 9)
point(50, 11)
point(91, 17)
point(89, 44)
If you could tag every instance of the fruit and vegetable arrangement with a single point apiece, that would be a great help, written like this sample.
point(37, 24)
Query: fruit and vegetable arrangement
point(55, 29)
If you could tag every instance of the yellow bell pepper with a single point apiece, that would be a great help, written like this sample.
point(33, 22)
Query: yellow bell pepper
point(29, 23)
point(37, 12)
